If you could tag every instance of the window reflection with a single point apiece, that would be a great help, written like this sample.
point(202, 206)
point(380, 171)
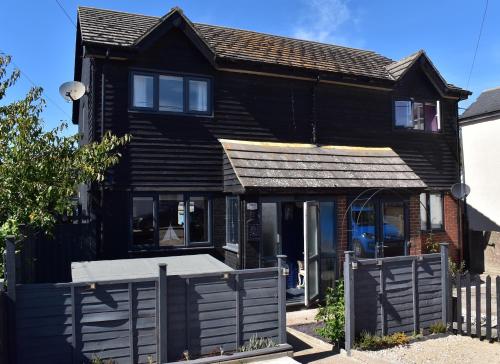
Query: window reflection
point(142, 221)
point(171, 220)
point(363, 229)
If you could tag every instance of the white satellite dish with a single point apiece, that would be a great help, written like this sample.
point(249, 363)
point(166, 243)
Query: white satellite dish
point(460, 190)
point(72, 90)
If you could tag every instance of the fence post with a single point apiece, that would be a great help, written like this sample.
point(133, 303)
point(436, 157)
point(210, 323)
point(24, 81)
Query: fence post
point(10, 275)
point(162, 313)
point(349, 301)
point(444, 282)
point(282, 298)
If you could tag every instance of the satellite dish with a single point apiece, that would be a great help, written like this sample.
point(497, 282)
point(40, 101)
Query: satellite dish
point(72, 90)
point(460, 190)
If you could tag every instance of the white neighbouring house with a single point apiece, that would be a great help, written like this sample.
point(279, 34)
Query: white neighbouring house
point(480, 132)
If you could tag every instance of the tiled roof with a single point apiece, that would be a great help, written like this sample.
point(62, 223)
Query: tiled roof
point(278, 165)
point(124, 29)
point(114, 28)
point(487, 102)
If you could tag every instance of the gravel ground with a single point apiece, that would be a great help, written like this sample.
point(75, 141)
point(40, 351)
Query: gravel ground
point(448, 349)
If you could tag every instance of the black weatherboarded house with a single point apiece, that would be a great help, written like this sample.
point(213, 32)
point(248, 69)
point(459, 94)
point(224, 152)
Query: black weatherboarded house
point(248, 145)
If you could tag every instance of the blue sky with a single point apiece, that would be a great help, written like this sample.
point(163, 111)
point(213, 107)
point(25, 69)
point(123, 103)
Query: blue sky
point(41, 39)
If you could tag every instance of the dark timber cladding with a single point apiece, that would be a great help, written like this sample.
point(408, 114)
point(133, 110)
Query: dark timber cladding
point(250, 165)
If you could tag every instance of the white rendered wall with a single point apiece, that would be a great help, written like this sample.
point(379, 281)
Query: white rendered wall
point(481, 149)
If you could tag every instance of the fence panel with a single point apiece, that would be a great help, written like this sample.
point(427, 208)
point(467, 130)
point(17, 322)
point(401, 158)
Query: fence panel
point(207, 314)
point(3, 325)
point(74, 323)
point(397, 294)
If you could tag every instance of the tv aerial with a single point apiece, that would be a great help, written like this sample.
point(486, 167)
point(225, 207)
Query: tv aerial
point(460, 190)
point(72, 90)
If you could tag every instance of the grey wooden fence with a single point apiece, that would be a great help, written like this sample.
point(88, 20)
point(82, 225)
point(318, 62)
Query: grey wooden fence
point(132, 321)
point(397, 294)
point(3, 325)
point(476, 306)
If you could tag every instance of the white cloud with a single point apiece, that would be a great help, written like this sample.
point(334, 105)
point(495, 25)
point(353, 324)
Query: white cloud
point(323, 21)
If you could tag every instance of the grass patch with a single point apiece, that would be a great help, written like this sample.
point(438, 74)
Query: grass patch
point(438, 328)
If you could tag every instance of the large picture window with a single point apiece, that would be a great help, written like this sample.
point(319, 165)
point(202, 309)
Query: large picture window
point(417, 115)
point(431, 211)
point(170, 93)
point(170, 221)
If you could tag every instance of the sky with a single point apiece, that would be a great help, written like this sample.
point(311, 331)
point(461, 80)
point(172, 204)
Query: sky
point(41, 39)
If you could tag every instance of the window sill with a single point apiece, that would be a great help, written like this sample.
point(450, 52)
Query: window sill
point(163, 113)
point(231, 248)
point(167, 249)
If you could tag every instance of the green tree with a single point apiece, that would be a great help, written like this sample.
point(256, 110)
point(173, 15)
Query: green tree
point(40, 170)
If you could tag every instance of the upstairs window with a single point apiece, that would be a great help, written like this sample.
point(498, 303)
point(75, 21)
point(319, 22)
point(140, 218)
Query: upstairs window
point(431, 211)
point(169, 93)
point(417, 115)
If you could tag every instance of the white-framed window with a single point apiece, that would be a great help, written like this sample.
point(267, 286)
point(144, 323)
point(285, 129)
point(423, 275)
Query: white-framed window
point(431, 211)
point(232, 221)
point(170, 93)
point(417, 115)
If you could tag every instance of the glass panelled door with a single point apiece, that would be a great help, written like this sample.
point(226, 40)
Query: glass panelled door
point(270, 234)
point(393, 232)
point(311, 250)
point(378, 228)
point(328, 244)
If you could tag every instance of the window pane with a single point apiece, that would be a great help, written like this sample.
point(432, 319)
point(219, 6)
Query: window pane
point(403, 114)
point(327, 227)
point(418, 116)
point(394, 221)
point(171, 220)
point(363, 229)
point(269, 229)
point(143, 91)
point(431, 117)
point(171, 94)
point(198, 219)
point(232, 216)
point(142, 221)
point(436, 206)
point(423, 211)
point(198, 95)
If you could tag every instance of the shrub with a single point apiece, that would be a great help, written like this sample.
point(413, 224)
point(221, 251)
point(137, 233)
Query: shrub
point(437, 328)
point(455, 268)
point(332, 314)
point(369, 341)
point(256, 343)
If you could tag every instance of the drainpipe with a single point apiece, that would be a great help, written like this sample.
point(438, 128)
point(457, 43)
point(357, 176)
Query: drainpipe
point(314, 123)
point(101, 228)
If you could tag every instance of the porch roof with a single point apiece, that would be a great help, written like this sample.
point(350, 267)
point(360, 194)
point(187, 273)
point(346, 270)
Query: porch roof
point(270, 165)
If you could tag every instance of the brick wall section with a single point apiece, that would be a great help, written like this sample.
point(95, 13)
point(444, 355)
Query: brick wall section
point(451, 233)
point(416, 246)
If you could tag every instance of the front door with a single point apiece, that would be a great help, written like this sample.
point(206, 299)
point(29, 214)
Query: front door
point(270, 234)
point(311, 250)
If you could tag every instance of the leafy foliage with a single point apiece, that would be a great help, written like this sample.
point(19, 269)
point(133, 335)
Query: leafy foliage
point(369, 341)
point(438, 328)
point(455, 268)
point(332, 314)
point(256, 343)
point(40, 170)
point(431, 245)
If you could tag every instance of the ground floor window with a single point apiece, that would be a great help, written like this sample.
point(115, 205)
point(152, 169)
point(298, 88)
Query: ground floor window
point(232, 221)
point(379, 227)
point(431, 211)
point(170, 220)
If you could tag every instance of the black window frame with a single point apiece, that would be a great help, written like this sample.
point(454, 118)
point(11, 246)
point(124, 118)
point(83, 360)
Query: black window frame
point(156, 93)
point(187, 243)
point(232, 245)
point(429, 227)
point(423, 101)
